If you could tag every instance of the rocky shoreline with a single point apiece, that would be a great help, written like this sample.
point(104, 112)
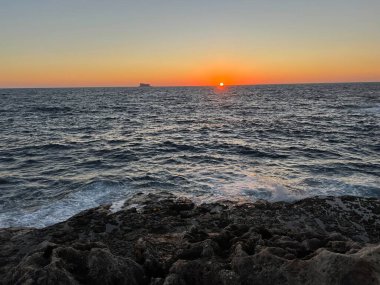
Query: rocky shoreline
point(164, 239)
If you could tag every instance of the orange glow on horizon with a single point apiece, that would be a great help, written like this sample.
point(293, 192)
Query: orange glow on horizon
point(100, 45)
point(86, 72)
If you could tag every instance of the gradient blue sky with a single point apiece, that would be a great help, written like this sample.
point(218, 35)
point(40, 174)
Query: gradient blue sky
point(105, 43)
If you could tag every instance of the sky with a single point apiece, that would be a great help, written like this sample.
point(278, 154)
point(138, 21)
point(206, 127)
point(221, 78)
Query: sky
point(68, 43)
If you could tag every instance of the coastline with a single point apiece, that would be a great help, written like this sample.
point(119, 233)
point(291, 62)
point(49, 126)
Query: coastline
point(165, 239)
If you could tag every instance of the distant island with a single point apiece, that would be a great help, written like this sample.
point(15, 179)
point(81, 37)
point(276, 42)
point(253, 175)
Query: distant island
point(145, 85)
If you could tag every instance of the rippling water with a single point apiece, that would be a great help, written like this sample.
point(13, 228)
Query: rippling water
point(65, 150)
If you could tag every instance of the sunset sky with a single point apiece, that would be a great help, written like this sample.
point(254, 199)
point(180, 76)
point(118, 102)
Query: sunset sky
point(58, 43)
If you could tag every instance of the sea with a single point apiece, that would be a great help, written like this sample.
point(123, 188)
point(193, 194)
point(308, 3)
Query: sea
point(65, 150)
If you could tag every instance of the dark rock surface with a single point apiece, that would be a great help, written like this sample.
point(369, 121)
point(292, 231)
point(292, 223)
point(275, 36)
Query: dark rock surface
point(162, 239)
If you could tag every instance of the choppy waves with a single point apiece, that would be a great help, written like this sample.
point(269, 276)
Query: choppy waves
point(66, 150)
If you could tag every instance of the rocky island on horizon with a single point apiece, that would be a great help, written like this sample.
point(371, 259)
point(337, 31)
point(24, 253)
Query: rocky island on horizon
point(164, 239)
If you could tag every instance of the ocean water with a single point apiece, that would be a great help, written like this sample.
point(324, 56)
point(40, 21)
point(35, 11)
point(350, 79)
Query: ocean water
point(66, 150)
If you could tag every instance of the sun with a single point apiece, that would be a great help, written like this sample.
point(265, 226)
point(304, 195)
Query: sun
point(221, 84)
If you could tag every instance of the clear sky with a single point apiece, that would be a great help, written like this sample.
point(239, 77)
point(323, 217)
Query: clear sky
point(121, 43)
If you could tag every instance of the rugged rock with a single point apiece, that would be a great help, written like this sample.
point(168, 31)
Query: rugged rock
point(163, 239)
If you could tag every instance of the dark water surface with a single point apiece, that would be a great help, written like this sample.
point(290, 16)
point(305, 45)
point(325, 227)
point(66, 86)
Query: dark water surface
point(65, 150)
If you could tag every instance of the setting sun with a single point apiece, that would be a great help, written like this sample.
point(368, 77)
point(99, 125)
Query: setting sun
point(221, 84)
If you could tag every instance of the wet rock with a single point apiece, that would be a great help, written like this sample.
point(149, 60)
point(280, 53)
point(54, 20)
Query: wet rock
point(55, 264)
point(195, 234)
point(182, 204)
point(238, 251)
point(324, 268)
point(265, 234)
point(174, 279)
point(333, 268)
point(158, 238)
point(312, 244)
point(156, 281)
point(210, 248)
point(197, 272)
point(261, 268)
point(228, 277)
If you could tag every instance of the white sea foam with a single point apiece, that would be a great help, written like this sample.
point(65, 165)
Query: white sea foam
point(253, 187)
point(117, 206)
point(247, 142)
point(105, 192)
point(246, 186)
point(89, 196)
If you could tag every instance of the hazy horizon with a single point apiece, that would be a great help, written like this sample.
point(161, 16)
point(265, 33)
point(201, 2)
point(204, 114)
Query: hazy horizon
point(211, 86)
point(97, 43)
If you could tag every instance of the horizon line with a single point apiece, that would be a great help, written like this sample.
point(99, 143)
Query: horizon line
point(168, 86)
